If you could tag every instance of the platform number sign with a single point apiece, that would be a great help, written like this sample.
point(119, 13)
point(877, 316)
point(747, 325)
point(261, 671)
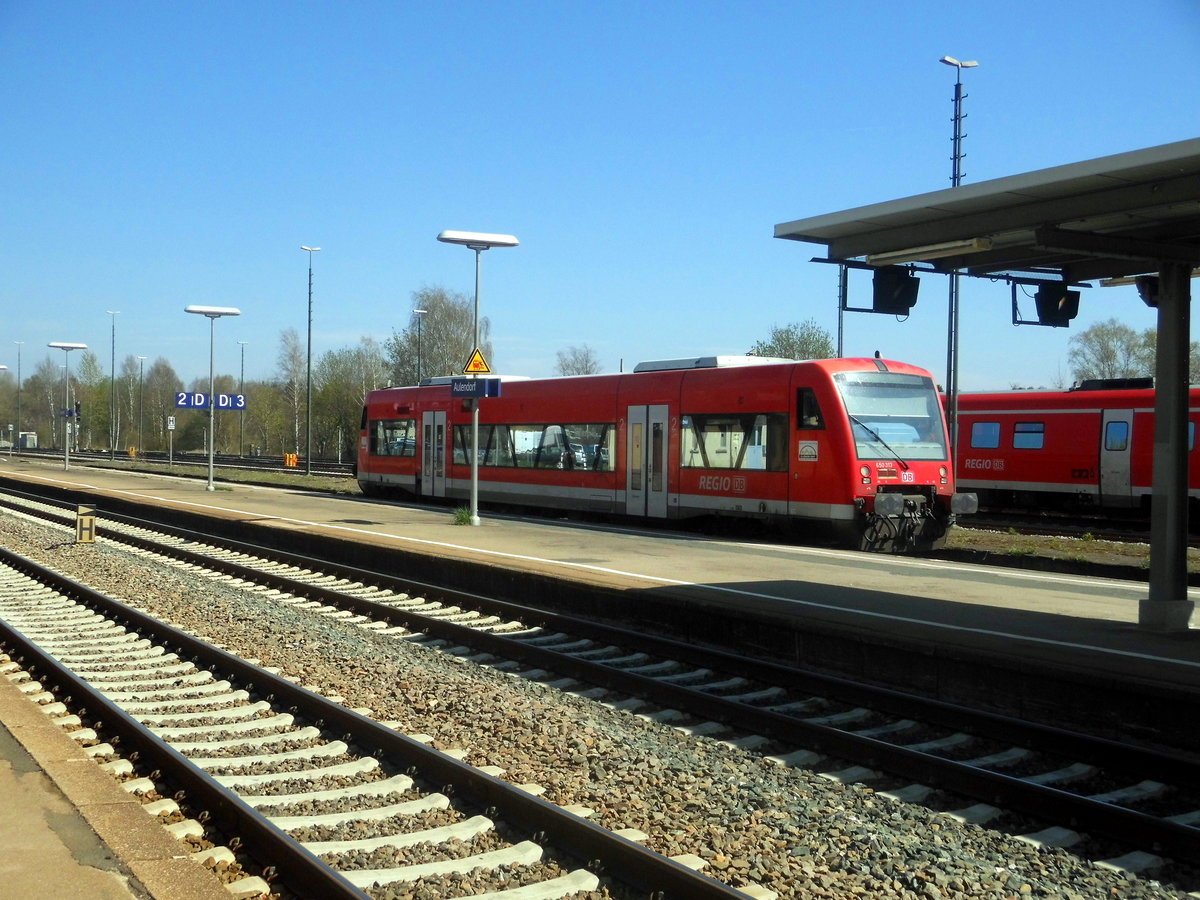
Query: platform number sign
point(199, 400)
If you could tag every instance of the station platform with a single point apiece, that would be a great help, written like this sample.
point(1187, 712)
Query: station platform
point(1042, 613)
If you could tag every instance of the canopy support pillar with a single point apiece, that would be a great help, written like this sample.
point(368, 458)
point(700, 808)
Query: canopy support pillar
point(1168, 608)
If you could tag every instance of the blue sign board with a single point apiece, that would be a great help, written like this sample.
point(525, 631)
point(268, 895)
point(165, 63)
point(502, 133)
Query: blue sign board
point(199, 400)
point(475, 387)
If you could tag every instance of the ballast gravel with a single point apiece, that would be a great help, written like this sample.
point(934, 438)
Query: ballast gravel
point(751, 820)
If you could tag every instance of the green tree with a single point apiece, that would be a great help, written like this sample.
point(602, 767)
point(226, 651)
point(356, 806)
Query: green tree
point(446, 333)
point(341, 379)
point(153, 390)
point(90, 389)
point(577, 361)
point(804, 340)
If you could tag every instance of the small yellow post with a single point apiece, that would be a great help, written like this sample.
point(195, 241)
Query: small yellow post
point(85, 525)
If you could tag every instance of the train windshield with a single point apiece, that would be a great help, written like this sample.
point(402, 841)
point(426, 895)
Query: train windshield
point(893, 416)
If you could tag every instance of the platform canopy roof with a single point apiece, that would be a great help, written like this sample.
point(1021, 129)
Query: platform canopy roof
point(1115, 216)
point(1132, 214)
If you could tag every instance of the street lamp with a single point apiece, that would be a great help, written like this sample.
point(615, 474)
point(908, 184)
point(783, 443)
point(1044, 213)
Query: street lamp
point(212, 313)
point(242, 411)
point(112, 388)
point(477, 242)
point(141, 394)
point(10, 428)
point(952, 313)
point(66, 347)
point(18, 343)
point(420, 314)
point(308, 368)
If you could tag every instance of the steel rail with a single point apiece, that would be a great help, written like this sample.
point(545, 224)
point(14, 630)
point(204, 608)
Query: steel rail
point(622, 859)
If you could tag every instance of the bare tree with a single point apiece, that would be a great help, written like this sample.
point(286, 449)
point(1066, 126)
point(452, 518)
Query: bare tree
point(577, 361)
point(292, 384)
point(444, 335)
point(805, 340)
point(154, 402)
point(1111, 349)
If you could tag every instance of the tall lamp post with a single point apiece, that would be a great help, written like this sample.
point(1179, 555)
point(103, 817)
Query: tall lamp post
point(952, 316)
point(308, 371)
point(66, 347)
point(242, 411)
point(420, 314)
point(112, 388)
point(478, 242)
point(212, 313)
point(141, 448)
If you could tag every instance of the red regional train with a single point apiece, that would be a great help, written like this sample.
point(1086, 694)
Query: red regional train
point(855, 447)
point(1091, 446)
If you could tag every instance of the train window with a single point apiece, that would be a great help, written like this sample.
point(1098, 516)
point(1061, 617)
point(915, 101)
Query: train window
point(893, 415)
point(808, 411)
point(734, 441)
point(985, 435)
point(1116, 436)
point(393, 437)
point(1029, 435)
point(583, 446)
point(1191, 435)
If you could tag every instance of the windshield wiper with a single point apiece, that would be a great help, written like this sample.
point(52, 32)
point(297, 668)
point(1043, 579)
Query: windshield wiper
point(871, 431)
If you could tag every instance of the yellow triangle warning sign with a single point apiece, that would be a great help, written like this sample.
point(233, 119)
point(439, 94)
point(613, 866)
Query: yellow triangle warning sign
point(476, 365)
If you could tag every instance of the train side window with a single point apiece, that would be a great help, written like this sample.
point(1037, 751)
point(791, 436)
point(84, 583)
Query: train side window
point(985, 435)
point(1029, 435)
point(808, 411)
point(1191, 436)
point(393, 437)
point(1116, 436)
point(734, 441)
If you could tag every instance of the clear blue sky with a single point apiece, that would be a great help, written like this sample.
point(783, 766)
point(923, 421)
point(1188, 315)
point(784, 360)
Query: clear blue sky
point(160, 154)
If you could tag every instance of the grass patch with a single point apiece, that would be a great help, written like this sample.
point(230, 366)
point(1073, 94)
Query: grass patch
point(462, 516)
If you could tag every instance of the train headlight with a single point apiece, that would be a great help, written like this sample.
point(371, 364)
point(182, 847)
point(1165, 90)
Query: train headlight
point(942, 472)
point(865, 472)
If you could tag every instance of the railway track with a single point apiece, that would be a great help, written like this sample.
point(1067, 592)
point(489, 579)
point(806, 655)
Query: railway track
point(1084, 792)
point(1100, 527)
point(326, 816)
point(184, 462)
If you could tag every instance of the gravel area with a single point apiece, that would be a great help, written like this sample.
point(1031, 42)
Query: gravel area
point(752, 820)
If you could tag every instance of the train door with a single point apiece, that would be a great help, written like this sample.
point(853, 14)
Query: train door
point(433, 453)
point(1116, 432)
point(646, 461)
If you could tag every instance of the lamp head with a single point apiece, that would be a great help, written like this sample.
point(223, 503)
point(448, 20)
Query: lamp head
point(477, 240)
point(310, 249)
point(66, 345)
point(213, 312)
point(964, 64)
